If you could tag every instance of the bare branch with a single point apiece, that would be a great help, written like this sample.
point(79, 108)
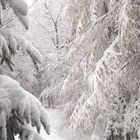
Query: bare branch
point(58, 18)
point(53, 41)
point(49, 13)
point(43, 27)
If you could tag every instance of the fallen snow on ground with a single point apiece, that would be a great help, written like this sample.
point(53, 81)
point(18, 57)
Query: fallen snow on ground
point(56, 118)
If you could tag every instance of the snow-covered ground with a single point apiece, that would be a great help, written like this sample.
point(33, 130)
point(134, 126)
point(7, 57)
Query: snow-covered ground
point(56, 119)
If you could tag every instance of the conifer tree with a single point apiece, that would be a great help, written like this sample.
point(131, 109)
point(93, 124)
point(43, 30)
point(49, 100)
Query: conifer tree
point(103, 67)
point(19, 109)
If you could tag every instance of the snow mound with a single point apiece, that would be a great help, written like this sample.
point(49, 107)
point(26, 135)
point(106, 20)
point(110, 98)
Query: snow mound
point(13, 98)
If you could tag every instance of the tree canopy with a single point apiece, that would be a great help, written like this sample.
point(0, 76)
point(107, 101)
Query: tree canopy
point(19, 109)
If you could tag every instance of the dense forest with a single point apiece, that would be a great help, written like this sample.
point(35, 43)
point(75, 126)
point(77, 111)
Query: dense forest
point(69, 70)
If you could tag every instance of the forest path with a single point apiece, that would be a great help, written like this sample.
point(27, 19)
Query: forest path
point(56, 118)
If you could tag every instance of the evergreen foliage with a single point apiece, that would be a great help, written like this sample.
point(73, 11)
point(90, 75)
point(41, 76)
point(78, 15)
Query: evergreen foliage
point(19, 109)
point(101, 85)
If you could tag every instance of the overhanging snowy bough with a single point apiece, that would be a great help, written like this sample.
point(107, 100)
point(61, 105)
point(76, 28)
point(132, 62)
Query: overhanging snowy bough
point(19, 108)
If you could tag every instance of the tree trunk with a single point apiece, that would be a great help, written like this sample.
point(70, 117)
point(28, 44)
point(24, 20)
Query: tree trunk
point(127, 137)
point(57, 37)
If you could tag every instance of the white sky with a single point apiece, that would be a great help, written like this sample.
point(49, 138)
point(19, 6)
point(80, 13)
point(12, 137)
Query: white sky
point(30, 2)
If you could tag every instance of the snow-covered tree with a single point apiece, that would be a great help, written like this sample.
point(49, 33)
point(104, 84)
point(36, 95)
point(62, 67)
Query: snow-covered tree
point(101, 85)
point(12, 42)
point(19, 109)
